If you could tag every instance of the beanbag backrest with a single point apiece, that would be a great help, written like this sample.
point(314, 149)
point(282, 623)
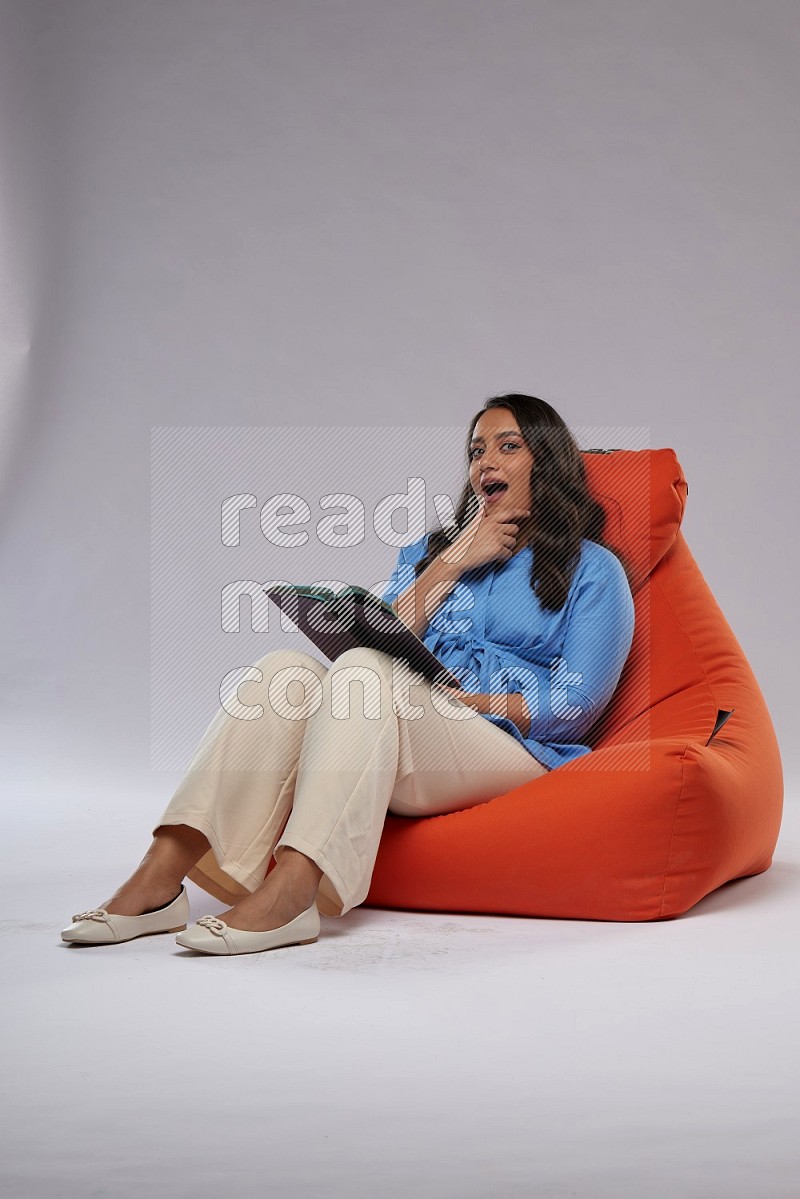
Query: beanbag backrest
point(644, 494)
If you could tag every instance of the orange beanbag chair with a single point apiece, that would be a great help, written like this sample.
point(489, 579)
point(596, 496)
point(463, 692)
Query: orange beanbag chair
point(684, 788)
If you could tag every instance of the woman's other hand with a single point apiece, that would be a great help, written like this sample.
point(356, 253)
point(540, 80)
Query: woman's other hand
point(490, 536)
point(455, 693)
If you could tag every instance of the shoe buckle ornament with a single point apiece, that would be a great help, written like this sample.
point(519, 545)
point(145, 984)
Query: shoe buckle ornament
point(213, 923)
point(99, 914)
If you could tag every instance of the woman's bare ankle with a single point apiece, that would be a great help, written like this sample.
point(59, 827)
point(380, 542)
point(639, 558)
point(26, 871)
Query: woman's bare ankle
point(175, 848)
point(159, 876)
point(142, 892)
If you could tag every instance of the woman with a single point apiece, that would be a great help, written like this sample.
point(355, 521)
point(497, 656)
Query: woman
point(525, 604)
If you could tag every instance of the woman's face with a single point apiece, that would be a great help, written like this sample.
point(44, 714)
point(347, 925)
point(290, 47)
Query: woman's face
point(499, 453)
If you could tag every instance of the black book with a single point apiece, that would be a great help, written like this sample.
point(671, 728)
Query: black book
point(340, 620)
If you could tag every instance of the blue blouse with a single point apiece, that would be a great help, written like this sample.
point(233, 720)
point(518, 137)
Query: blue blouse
point(494, 635)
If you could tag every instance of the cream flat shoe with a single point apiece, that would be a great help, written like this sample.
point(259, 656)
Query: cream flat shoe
point(212, 935)
point(99, 927)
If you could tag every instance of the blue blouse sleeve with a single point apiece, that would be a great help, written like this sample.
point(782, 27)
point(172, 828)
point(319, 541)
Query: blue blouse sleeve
point(565, 700)
point(403, 574)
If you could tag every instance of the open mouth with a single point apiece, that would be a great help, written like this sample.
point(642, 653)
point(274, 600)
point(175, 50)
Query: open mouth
point(494, 488)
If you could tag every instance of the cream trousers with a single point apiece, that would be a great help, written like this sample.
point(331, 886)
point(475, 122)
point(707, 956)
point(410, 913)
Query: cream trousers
point(299, 756)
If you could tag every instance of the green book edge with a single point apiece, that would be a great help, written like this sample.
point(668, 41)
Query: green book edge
point(333, 597)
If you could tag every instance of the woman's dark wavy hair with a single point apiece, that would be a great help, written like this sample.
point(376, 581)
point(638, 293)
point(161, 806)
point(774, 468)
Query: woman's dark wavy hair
point(563, 510)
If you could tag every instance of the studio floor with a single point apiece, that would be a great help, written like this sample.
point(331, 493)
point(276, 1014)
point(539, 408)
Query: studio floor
point(419, 1054)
